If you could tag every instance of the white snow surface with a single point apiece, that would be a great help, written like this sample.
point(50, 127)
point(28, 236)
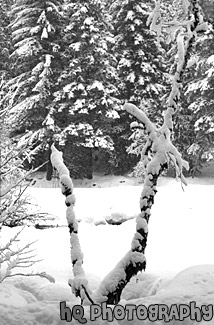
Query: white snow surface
point(180, 236)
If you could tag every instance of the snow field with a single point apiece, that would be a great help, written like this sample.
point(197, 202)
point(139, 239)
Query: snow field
point(180, 235)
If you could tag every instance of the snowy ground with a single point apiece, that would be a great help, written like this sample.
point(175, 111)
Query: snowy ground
point(180, 236)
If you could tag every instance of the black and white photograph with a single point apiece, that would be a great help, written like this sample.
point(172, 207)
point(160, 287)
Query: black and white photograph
point(106, 162)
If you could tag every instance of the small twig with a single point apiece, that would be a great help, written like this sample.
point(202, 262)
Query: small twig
point(87, 295)
point(22, 192)
point(41, 275)
point(23, 178)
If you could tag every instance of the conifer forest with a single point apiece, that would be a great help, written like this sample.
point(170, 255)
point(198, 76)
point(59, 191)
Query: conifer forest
point(68, 67)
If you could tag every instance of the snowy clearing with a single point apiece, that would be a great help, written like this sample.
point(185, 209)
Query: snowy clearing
point(180, 236)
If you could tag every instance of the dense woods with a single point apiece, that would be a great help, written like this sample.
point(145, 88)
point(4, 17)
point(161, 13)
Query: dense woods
point(68, 67)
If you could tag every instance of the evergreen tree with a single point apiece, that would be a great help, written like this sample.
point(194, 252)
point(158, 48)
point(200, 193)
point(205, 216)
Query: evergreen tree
point(193, 128)
point(140, 71)
point(198, 107)
point(35, 62)
point(86, 100)
point(5, 46)
point(138, 54)
point(208, 10)
point(4, 37)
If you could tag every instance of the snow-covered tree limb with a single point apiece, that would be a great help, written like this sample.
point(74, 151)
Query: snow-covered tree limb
point(112, 285)
point(41, 275)
point(161, 151)
point(79, 284)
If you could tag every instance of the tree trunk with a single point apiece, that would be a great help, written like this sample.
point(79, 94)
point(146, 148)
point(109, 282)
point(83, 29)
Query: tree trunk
point(161, 150)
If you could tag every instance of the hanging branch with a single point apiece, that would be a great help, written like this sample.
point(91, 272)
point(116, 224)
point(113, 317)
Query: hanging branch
point(157, 153)
point(79, 284)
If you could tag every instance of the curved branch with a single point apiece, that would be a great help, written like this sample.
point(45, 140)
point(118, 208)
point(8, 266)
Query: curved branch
point(140, 115)
point(79, 283)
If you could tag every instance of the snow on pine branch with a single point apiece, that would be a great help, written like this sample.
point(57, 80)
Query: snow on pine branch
point(186, 32)
point(158, 144)
point(79, 284)
point(186, 5)
point(155, 20)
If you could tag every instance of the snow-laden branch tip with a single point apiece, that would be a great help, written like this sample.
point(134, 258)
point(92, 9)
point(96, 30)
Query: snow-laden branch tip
point(186, 5)
point(141, 116)
point(158, 142)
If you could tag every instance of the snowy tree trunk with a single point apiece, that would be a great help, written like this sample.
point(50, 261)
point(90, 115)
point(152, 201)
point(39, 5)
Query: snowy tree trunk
point(79, 284)
point(49, 170)
point(161, 150)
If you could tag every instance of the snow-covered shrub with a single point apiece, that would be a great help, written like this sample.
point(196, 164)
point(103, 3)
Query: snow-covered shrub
point(12, 257)
point(14, 211)
point(138, 142)
point(138, 171)
point(14, 180)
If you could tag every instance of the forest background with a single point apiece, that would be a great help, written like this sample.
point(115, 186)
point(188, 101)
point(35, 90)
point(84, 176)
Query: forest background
point(68, 67)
